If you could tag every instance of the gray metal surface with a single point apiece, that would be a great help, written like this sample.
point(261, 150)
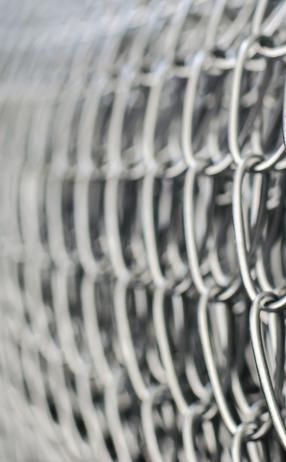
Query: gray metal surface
point(142, 221)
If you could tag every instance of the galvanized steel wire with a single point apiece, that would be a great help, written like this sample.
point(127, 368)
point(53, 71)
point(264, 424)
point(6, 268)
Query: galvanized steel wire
point(143, 227)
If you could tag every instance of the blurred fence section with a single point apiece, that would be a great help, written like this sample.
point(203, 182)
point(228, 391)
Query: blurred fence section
point(142, 231)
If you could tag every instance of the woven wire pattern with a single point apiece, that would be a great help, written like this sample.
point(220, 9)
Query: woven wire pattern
point(143, 254)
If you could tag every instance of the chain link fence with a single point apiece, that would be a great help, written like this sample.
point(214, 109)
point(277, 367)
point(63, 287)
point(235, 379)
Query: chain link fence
point(143, 231)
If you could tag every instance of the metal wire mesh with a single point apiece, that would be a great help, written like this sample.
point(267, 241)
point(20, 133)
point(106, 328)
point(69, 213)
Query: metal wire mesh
point(143, 254)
